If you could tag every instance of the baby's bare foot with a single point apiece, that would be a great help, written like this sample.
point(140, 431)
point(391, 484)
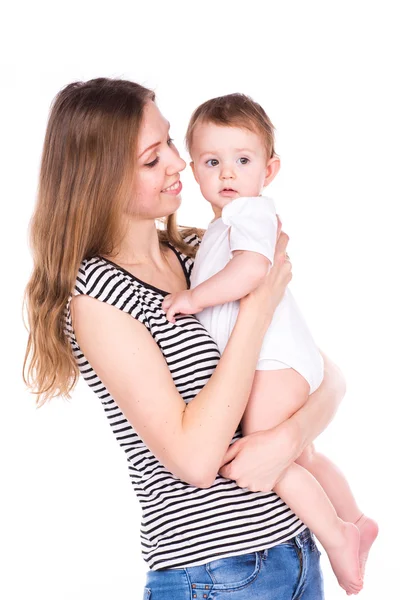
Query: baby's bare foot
point(344, 558)
point(368, 531)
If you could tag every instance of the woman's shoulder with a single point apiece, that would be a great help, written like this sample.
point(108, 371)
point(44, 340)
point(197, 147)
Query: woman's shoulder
point(106, 282)
point(92, 273)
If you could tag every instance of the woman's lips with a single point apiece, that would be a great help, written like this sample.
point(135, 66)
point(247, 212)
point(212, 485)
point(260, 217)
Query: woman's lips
point(173, 189)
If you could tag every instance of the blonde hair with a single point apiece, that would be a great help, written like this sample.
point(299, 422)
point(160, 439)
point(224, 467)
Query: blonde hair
point(85, 180)
point(234, 110)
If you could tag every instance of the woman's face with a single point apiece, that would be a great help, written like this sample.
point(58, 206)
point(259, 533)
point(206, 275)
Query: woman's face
point(157, 185)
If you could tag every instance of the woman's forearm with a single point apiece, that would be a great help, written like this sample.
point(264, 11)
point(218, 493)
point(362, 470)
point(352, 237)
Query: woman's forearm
point(309, 421)
point(218, 408)
point(210, 420)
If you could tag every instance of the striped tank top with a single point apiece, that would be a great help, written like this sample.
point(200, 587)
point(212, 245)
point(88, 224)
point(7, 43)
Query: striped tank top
point(181, 525)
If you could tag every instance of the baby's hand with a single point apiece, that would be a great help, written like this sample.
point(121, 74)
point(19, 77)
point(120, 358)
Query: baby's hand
point(181, 302)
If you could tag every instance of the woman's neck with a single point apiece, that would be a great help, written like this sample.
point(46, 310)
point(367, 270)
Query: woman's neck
point(140, 246)
point(141, 254)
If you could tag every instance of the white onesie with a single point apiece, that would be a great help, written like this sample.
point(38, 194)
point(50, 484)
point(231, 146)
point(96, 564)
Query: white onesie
point(251, 224)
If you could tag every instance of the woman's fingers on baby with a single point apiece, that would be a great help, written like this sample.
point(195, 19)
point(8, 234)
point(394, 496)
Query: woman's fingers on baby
point(278, 232)
point(283, 240)
point(281, 245)
point(281, 259)
point(231, 452)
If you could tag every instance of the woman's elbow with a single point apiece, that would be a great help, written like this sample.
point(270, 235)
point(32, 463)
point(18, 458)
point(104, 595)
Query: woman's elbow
point(203, 481)
point(199, 476)
point(204, 484)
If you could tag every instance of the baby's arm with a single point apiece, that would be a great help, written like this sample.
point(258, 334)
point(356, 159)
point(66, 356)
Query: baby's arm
point(254, 228)
point(240, 277)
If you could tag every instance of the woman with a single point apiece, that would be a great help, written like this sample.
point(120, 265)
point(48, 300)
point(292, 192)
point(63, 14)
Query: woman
point(210, 525)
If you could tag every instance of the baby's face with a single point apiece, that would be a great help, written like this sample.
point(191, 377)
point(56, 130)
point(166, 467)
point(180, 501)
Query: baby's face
point(228, 162)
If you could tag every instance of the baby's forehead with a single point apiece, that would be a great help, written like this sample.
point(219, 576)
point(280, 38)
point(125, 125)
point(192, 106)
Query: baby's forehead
point(205, 125)
point(219, 135)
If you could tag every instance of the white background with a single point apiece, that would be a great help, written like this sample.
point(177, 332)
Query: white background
point(327, 74)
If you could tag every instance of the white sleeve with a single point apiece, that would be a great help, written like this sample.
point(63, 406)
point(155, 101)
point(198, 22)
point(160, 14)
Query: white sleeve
point(253, 224)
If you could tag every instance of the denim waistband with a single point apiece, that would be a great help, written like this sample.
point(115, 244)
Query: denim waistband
point(303, 539)
point(251, 574)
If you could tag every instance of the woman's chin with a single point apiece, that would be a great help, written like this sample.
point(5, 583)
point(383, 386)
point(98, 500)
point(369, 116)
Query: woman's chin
point(175, 202)
point(169, 208)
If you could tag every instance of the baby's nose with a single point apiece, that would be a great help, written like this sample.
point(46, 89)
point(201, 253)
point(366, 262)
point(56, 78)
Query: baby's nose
point(227, 172)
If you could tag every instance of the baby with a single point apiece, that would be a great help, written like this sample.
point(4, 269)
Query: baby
point(231, 143)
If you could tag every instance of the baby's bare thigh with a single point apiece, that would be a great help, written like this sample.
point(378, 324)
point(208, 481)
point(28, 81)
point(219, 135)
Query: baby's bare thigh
point(274, 397)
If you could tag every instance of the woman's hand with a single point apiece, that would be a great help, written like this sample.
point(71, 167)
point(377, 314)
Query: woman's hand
point(266, 297)
point(258, 461)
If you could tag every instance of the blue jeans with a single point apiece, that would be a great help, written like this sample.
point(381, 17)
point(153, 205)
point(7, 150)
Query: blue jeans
point(289, 571)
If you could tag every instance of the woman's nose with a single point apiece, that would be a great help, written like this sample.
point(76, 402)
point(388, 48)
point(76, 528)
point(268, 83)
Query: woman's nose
point(182, 164)
point(176, 165)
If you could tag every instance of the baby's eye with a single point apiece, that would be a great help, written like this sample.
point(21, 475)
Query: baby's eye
point(243, 160)
point(212, 162)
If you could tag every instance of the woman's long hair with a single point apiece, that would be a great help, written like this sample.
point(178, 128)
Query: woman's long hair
point(85, 180)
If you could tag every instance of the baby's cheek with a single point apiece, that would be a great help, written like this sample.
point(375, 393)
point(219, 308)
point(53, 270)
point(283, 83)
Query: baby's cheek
point(207, 185)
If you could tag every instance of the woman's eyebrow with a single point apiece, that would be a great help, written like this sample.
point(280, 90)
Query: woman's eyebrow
point(155, 144)
point(149, 148)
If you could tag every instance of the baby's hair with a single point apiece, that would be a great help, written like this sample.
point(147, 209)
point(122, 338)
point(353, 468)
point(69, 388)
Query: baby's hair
point(234, 110)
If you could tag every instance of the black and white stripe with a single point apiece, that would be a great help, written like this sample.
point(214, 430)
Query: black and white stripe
point(181, 525)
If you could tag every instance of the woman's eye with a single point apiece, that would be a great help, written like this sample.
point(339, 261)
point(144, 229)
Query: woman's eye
point(153, 162)
point(212, 162)
point(243, 160)
point(170, 142)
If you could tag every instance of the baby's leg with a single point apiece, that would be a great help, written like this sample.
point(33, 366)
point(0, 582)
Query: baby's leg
point(275, 396)
point(341, 540)
point(338, 490)
point(333, 481)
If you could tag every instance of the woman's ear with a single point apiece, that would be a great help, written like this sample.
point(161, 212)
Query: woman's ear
point(194, 170)
point(273, 166)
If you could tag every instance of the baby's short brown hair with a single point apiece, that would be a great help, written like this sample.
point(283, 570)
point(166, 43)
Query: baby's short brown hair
point(234, 110)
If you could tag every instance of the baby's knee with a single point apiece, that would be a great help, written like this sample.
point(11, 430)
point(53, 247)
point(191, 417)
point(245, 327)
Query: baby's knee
point(307, 456)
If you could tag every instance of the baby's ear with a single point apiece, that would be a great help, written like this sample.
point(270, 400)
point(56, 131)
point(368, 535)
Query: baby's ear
point(273, 166)
point(192, 166)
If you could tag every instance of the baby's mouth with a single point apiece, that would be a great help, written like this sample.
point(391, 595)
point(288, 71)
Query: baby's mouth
point(229, 192)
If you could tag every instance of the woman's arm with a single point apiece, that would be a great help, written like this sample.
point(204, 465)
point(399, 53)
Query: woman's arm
point(257, 461)
point(189, 439)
